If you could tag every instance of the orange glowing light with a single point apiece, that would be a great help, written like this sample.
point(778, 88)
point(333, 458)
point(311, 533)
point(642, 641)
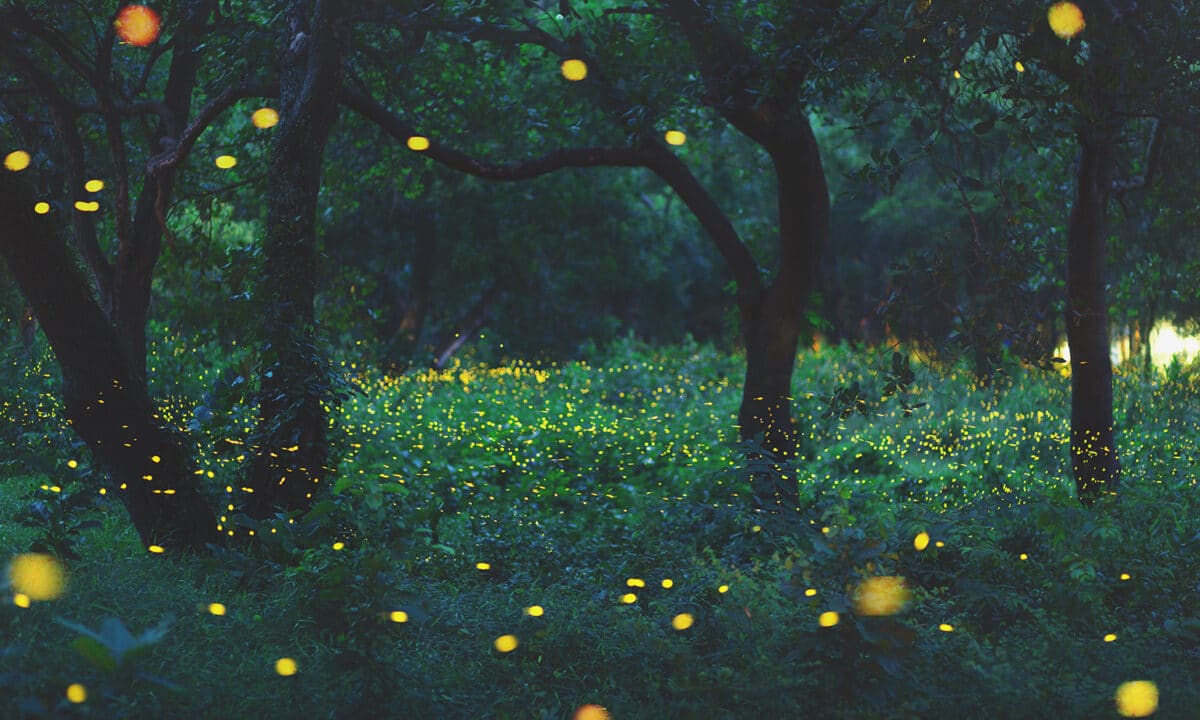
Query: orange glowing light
point(137, 25)
point(591, 712)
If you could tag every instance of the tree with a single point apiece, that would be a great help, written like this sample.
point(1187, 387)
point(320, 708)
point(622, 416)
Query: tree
point(102, 398)
point(102, 357)
point(1094, 72)
point(762, 86)
point(292, 454)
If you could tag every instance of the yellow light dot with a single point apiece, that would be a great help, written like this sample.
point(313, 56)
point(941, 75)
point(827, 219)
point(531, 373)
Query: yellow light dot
point(810, 592)
point(629, 598)
point(668, 583)
point(1137, 698)
point(93, 185)
point(285, 666)
point(723, 589)
point(155, 548)
point(155, 459)
point(957, 75)
point(946, 627)
point(885, 595)
point(72, 464)
point(682, 621)
point(1066, 19)
point(506, 643)
point(21, 600)
point(216, 609)
point(636, 582)
point(939, 543)
point(1110, 637)
point(17, 160)
point(574, 70)
point(264, 118)
point(1126, 576)
point(398, 616)
point(921, 541)
point(86, 206)
point(418, 143)
point(225, 161)
point(483, 566)
point(675, 137)
point(339, 545)
point(828, 619)
point(535, 611)
point(1019, 66)
point(591, 712)
point(825, 531)
point(41, 208)
point(1023, 556)
point(756, 528)
point(76, 693)
point(37, 576)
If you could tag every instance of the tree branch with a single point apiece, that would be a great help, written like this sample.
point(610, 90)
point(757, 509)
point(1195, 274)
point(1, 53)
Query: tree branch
point(176, 153)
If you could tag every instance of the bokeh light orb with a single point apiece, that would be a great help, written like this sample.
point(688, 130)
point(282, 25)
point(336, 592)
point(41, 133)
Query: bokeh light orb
point(591, 712)
point(828, 619)
point(682, 621)
point(37, 576)
point(225, 161)
point(418, 143)
point(137, 25)
point(574, 69)
point(1137, 698)
point(506, 643)
point(675, 137)
point(1066, 19)
point(41, 208)
point(93, 185)
point(884, 595)
point(264, 118)
point(17, 160)
point(76, 693)
point(285, 666)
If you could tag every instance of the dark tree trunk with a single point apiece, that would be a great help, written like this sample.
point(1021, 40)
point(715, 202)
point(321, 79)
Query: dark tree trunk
point(103, 401)
point(1094, 459)
point(772, 327)
point(292, 455)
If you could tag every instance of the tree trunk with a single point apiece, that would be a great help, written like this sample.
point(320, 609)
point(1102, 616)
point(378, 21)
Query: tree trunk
point(292, 454)
point(1094, 459)
point(771, 331)
point(103, 401)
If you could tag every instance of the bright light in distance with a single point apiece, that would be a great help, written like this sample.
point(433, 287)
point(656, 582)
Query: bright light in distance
point(225, 161)
point(93, 185)
point(418, 143)
point(675, 137)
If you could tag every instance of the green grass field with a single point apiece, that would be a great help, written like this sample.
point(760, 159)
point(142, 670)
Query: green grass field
point(610, 498)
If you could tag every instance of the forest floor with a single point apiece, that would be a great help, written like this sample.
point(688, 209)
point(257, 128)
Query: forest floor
point(528, 540)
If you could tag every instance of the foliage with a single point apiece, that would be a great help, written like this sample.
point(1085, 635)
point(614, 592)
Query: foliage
point(570, 482)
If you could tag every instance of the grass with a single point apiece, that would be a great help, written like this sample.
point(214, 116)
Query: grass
point(570, 481)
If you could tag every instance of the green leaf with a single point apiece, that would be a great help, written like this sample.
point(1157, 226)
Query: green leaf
point(95, 653)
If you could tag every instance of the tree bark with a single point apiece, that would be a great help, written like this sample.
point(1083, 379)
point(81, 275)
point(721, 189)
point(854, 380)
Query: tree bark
point(103, 401)
point(293, 453)
point(1094, 460)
